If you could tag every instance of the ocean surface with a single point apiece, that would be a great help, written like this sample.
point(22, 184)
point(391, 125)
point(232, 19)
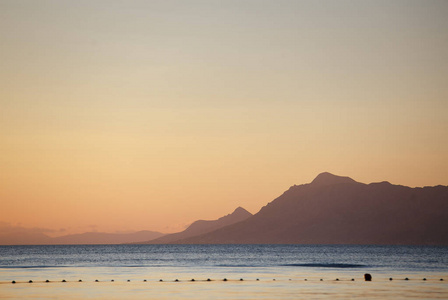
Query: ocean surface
point(223, 272)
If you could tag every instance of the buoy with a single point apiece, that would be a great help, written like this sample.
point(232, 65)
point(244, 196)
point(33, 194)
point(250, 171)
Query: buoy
point(96, 280)
point(406, 278)
point(321, 279)
point(441, 279)
point(306, 279)
point(129, 280)
point(112, 280)
point(273, 279)
point(177, 280)
point(63, 280)
point(225, 279)
point(80, 280)
point(353, 279)
point(367, 277)
point(192, 279)
point(258, 279)
point(160, 280)
point(424, 279)
point(337, 279)
point(390, 279)
point(241, 279)
point(144, 280)
point(47, 280)
point(13, 281)
point(30, 281)
point(208, 279)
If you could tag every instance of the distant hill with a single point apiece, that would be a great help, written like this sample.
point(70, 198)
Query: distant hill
point(105, 238)
point(24, 238)
point(338, 210)
point(202, 226)
point(30, 237)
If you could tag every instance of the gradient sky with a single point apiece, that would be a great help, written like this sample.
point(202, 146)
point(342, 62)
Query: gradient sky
point(130, 115)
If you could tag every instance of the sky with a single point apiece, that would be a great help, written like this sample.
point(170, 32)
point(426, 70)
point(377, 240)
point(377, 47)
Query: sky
point(148, 115)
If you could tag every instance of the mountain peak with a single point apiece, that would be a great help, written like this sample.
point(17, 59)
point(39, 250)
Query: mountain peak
point(240, 211)
point(343, 211)
point(203, 226)
point(326, 178)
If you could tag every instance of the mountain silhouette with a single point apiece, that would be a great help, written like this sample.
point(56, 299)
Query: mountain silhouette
point(329, 179)
point(338, 210)
point(22, 236)
point(202, 226)
point(105, 238)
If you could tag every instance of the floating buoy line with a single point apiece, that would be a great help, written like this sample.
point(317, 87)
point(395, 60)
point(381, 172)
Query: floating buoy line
point(224, 279)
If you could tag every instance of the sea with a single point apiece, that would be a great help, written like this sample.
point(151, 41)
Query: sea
point(223, 272)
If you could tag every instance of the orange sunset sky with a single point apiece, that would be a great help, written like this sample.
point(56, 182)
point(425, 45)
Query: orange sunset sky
point(132, 115)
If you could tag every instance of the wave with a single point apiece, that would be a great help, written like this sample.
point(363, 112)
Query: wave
point(84, 266)
point(310, 265)
point(236, 266)
point(326, 265)
point(30, 267)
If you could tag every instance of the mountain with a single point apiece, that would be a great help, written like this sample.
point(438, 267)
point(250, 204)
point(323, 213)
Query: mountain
point(338, 210)
point(201, 226)
point(23, 236)
point(326, 178)
point(105, 238)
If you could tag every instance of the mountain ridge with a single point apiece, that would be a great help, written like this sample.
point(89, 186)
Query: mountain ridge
point(203, 226)
point(28, 237)
point(97, 238)
point(339, 210)
point(329, 210)
point(327, 178)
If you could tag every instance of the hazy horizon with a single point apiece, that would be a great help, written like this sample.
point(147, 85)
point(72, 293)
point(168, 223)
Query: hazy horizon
point(149, 115)
point(16, 233)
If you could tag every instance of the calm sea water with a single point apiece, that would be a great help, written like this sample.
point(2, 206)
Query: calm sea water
point(267, 271)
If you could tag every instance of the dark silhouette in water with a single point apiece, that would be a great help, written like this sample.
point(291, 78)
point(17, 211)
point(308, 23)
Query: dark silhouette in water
point(367, 277)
